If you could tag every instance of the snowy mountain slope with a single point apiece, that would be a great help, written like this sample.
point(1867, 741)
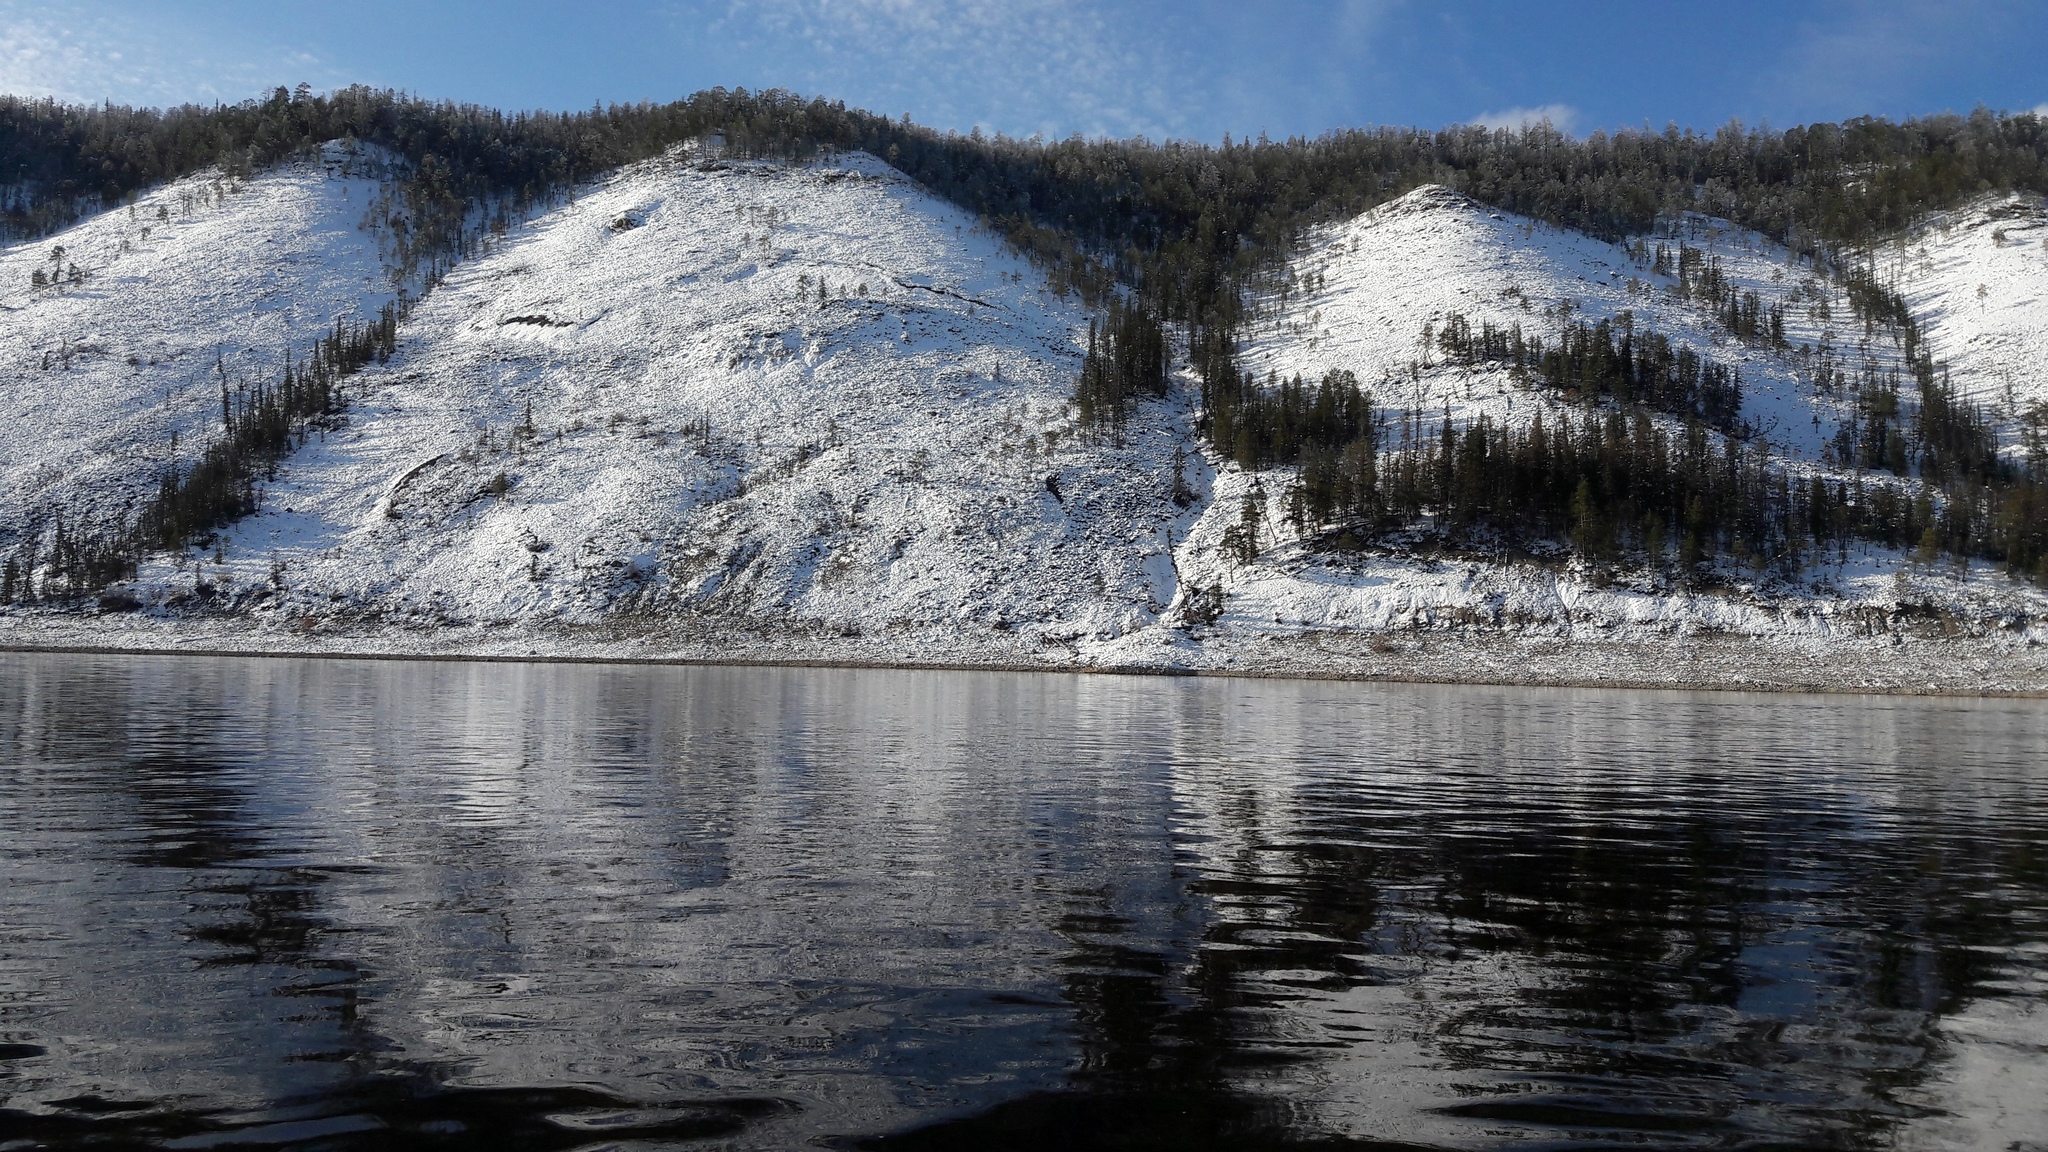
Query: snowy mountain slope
point(709, 433)
point(638, 411)
point(1380, 277)
point(1366, 288)
point(199, 277)
point(1978, 279)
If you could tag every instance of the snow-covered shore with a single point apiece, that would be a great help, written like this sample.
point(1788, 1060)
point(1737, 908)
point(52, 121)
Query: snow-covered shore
point(1907, 654)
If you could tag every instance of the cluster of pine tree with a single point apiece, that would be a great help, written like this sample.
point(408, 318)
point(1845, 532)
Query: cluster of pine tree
point(1126, 360)
point(1606, 360)
point(1947, 441)
point(258, 429)
point(1617, 484)
point(260, 425)
point(76, 564)
point(1957, 442)
point(1284, 421)
point(1700, 279)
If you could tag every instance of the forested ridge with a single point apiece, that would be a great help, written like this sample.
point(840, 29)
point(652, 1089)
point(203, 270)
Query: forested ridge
point(1179, 219)
point(1178, 233)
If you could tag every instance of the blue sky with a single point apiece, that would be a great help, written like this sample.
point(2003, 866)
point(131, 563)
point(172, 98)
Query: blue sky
point(1190, 70)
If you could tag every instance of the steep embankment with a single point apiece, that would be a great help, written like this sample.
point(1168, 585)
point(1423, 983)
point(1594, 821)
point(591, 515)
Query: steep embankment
point(793, 395)
point(110, 377)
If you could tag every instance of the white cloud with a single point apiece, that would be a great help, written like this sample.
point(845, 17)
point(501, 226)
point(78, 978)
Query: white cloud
point(1558, 116)
point(42, 57)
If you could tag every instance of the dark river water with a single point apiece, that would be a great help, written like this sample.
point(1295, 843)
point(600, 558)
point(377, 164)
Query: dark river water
point(366, 905)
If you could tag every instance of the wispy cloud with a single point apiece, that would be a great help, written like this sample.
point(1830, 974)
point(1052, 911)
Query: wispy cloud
point(1851, 57)
point(49, 54)
point(1142, 67)
point(75, 53)
point(1558, 116)
point(1018, 66)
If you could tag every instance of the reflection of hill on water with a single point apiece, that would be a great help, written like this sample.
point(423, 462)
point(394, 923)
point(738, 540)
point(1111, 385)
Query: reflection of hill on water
point(781, 905)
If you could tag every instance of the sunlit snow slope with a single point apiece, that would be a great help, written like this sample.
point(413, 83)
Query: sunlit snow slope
point(1433, 252)
point(200, 278)
point(1365, 288)
point(1978, 278)
point(814, 397)
point(710, 433)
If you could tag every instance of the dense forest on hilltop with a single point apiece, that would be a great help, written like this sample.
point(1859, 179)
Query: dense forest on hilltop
point(1149, 233)
point(1184, 221)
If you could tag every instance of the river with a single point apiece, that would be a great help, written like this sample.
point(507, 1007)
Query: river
point(369, 904)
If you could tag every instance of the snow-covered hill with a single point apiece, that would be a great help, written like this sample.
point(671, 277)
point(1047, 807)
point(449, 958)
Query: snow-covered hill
point(814, 401)
point(1372, 283)
point(810, 393)
point(199, 280)
point(1364, 291)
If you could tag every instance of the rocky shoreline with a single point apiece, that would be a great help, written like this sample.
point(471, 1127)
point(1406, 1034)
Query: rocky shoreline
point(1902, 661)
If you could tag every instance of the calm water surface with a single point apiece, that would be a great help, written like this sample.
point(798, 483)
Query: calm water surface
point(356, 905)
